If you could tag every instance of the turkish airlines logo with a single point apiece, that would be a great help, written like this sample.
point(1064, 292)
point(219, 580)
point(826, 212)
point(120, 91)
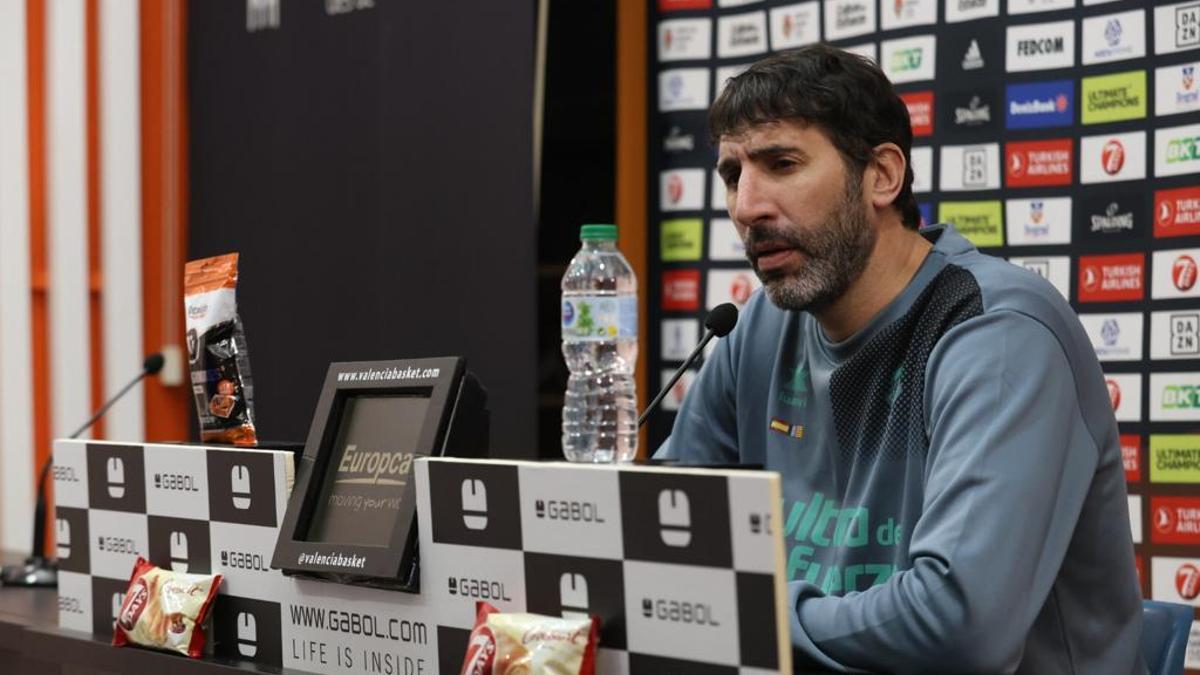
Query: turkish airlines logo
point(1177, 212)
point(1183, 273)
point(1176, 520)
point(920, 112)
point(1111, 277)
point(681, 290)
point(1037, 163)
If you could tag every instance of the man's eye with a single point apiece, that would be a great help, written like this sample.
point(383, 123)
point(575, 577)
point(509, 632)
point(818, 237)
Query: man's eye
point(731, 180)
point(782, 164)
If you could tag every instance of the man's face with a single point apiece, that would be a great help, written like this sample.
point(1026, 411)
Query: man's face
point(801, 215)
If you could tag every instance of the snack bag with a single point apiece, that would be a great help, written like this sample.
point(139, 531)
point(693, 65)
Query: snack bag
point(165, 610)
point(217, 355)
point(529, 644)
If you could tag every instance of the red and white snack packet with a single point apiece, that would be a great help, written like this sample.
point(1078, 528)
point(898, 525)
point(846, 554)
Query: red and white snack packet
point(165, 609)
point(529, 644)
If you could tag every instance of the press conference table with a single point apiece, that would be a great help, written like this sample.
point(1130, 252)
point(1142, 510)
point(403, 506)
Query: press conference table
point(32, 643)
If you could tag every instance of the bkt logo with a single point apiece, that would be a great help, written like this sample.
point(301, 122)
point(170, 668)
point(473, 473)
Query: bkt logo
point(573, 594)
point(115, 473)
point(1181, 397)
point(247, 634)
point(674, 518)
point(1039, 105)
point(474, 504)
point(907, 59)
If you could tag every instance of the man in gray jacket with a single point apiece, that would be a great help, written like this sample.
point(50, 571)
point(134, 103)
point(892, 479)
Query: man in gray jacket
point(954, 493)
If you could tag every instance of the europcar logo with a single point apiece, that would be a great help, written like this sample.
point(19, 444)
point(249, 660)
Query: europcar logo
point(1039, 105)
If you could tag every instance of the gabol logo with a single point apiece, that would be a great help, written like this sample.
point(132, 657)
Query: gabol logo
point(679, 611)
point(175, 481)
point(241, 560)
point(118, 545)
point(569, 510)
point(1183, 273)
point(1039, 105)
point(480, 589)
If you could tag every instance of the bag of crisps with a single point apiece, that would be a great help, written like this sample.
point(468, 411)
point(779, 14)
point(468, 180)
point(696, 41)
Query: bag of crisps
point(530, 644)
point(165, 610)
point(218, 358)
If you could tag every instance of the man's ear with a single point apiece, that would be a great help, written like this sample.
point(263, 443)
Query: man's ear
point(884, 177)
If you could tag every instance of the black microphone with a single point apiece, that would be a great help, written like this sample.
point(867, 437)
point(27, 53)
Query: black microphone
point(39, 571)
point(719, 322)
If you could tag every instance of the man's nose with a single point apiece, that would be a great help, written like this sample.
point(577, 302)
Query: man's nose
point(753, 204)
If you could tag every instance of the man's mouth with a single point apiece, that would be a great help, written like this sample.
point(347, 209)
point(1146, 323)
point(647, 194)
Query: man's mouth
point(771, 257)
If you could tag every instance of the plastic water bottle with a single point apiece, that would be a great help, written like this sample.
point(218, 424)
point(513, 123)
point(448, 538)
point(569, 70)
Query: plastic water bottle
point(599, 334)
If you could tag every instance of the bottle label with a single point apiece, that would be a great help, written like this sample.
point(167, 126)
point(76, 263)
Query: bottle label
point(599, 317)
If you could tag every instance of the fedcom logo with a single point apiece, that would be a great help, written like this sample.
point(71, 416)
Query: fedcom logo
point(1040, 46)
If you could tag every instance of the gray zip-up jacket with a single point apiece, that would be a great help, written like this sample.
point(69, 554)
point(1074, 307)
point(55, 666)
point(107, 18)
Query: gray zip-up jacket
point(954, 497)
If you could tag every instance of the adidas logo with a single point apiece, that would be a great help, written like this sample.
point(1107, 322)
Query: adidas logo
point(973, 59)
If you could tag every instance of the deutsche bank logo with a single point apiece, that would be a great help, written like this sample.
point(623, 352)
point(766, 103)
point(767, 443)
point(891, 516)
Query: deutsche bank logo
point(1039, 104)
point(474, 504)
point(674, 518)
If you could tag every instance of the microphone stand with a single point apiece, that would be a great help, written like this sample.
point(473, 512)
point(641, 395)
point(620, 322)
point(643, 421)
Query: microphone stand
point(39, 571)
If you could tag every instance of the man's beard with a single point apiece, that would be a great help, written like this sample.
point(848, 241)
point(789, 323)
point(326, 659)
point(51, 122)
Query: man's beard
point(835, 254)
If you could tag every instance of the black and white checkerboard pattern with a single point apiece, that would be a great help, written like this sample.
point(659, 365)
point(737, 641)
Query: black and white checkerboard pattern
point(684, 567)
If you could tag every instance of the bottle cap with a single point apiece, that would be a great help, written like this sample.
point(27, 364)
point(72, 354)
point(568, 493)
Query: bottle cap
point(594, 231)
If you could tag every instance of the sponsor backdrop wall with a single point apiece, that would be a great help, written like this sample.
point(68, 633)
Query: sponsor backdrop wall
point(372, 163)
point(1063, 135)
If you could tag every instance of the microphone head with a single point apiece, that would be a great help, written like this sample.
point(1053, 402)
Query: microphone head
point(153, 364)
point(722, 319)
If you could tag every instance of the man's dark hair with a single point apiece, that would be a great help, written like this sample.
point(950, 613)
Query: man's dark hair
point(843, 94)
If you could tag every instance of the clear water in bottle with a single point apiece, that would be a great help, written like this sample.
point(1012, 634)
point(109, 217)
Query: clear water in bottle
point(599, 334)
